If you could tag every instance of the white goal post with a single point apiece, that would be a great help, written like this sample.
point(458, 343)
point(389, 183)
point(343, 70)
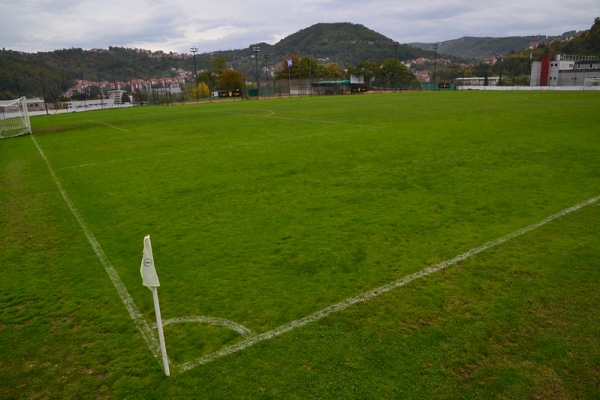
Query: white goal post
point(14, 119)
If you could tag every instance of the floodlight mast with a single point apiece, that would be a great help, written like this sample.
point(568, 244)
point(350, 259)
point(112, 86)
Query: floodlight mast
point(256, 50)
point(395, 65)
point(194, 50)
point(267, 73)
point(435, 47)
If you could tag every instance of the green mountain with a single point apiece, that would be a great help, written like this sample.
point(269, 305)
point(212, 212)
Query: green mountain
point(345, 43)
point(586, 43)
point(478, 48)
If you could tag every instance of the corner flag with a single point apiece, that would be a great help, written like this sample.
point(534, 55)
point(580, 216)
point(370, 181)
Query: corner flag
point(151, 282)
point(147, 268)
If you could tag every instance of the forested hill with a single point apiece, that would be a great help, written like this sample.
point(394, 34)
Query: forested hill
point(346, 43)
point(586, 43)
point(478, 48)
point(29, 74)
point(22, 74)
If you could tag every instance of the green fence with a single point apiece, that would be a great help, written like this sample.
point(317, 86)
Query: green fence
point(438, 86)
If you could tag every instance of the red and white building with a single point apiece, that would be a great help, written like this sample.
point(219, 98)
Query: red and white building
point(566, 70)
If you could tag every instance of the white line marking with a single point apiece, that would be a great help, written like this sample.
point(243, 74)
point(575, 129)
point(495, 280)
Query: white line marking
point(371, 293)
point(112, 126)
point(242, 330)
point(134, 312)
point(125, 159)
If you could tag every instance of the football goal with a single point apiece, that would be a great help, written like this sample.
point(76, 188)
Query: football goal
point(14, 120)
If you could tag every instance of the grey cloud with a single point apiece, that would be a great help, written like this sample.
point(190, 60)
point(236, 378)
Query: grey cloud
point(176, 25)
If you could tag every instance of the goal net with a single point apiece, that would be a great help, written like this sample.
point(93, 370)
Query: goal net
point(14, 120)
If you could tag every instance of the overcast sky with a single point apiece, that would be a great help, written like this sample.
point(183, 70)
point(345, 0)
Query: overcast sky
point(177, 25)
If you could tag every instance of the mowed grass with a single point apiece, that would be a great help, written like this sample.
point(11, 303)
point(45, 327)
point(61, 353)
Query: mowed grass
point(264, 212)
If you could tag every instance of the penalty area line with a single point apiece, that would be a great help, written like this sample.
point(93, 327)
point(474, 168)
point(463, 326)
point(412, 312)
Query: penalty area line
point(365, 296)
point(109, 125)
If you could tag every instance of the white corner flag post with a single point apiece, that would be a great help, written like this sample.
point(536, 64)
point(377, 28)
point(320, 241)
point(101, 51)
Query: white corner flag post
point(150, 279)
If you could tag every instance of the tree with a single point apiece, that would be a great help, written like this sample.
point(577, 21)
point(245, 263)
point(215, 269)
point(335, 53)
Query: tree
point(450, 73)
point(198, 90)
point(208, 78)
point(231, 80)
point(303, 67)
point(203, 89)
point(333, 70)
point(79, 96)
point(290, 71)
point(406, 79)
point(310, 68)
point(396, 74)
point(95, 92)
point(481, 69)
point(219, 64)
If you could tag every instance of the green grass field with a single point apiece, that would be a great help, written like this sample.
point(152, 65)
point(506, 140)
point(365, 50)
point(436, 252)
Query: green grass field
point(296, 220)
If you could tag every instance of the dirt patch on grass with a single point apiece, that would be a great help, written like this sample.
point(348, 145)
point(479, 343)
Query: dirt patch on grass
point(50, 129)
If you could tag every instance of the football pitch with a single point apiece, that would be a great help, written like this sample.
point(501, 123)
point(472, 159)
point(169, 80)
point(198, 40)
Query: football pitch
point(408, 245)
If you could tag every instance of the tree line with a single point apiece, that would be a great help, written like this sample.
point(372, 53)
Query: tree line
point(50, 74)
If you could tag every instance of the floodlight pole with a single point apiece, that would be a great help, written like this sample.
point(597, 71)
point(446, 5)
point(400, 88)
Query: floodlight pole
point(44, 93)
point(267, 75)
point(194, 50)
point(435, 47)
point(256, 50)
point(289, 64)
point(395, 65)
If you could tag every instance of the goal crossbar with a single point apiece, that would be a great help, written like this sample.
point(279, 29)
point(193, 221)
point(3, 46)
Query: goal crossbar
point(14, 119)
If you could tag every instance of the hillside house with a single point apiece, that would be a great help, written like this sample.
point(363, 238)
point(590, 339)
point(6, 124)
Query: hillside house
point(493, 58)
